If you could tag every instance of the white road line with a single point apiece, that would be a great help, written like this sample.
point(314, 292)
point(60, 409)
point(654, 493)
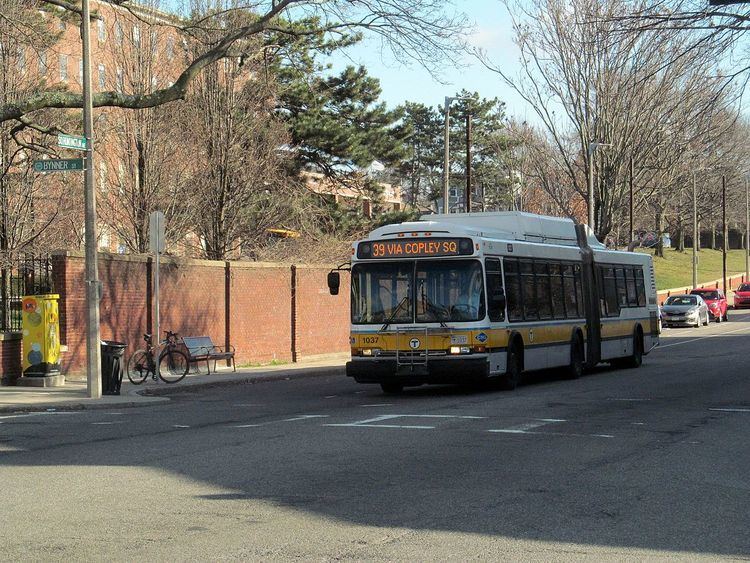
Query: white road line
point(107, 423)
point(638, 423)
point(512, 431)
point(660, 346)
point(305, 417)
point(329, 396)
point(378, 405)
point(247, 405)
point(382, 426)
point(373, 422)
point(24, 415)
point(180, 426)
point(247, 426)
point(730, 410)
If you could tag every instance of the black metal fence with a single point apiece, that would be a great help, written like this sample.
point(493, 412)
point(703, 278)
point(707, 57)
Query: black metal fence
point(26, 274)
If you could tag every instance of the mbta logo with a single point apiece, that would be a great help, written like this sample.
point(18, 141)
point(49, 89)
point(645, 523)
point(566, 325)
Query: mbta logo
point(414, 343)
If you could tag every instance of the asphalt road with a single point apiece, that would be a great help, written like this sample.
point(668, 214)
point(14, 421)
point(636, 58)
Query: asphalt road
point(651, 463)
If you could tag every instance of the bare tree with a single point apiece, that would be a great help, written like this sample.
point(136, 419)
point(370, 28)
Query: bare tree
point(425, 31)
point(591, 79)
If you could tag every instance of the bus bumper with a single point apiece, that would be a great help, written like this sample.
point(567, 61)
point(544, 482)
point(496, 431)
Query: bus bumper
point(443, 370)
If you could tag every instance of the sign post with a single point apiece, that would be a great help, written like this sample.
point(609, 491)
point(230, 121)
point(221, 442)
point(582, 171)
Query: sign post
point(156, 245)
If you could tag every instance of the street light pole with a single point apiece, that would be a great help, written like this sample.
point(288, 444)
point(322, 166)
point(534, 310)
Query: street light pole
point(696, 235)
point(747, 233)
point(724, 230)
point(446, 156)
point(468, 162)
point(93, 368)
point(630, 236)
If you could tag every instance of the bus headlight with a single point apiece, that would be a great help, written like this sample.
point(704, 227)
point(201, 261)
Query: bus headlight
point(370, 351)
point(460, 350)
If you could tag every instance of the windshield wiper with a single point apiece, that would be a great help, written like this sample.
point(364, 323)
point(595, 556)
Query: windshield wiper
point(426, 303)
point(392, 316)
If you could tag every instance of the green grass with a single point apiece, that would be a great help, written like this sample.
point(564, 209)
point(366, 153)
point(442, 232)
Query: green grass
point(676, 268)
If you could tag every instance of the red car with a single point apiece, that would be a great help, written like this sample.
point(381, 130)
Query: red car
point(742, 296)
point(716, 301)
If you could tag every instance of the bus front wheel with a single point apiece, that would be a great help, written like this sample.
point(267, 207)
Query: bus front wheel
point(512, 376)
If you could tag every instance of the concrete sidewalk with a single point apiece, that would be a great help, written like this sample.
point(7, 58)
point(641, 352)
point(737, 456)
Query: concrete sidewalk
point(73, 395)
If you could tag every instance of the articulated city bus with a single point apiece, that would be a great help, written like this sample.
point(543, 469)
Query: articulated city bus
point(466, 297)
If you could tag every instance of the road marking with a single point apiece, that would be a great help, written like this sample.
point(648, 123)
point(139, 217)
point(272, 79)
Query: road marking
point(247, 426)
point(330, 396)
point(373, 422)
point(180, 426)
point(511, 431)
point(638, 423)
point(378, 405)
point(702, 338)
point(247, 405)
point(730, 410)
point(305, 417)
point(24, 415)
point(108, 423)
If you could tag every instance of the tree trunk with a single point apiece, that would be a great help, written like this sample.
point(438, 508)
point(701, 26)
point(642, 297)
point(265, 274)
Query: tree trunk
point(680, 238)
point(712, 241)
point(659, 248)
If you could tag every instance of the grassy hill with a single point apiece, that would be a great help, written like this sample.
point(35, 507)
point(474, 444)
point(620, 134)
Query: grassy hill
point(676, 268)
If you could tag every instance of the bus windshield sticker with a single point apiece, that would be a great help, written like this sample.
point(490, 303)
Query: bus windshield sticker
point(415, 248)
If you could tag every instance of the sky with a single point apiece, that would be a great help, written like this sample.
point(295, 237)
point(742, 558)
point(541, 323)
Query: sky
point(492, 33)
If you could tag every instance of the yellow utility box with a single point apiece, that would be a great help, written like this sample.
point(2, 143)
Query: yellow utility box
point(41, 335)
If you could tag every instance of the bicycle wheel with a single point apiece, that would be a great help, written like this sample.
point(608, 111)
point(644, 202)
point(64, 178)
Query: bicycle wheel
point(173, 366)
point(138, 367)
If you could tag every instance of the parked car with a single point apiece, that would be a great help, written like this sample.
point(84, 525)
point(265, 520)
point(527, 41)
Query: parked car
point(685, 310)
point(742, 296)
point(716, 301)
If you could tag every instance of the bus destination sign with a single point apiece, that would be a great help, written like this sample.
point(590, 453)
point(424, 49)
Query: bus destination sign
point(415, 248)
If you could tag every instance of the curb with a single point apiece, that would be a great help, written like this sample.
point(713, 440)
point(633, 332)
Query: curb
point(282, 375)
point(155, 396)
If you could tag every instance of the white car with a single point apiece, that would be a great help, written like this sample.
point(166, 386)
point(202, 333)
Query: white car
point(684, 310)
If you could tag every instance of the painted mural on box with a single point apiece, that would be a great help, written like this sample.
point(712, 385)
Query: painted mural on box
point(41, 335)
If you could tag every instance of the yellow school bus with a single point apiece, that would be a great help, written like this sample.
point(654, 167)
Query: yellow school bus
point(465, 297)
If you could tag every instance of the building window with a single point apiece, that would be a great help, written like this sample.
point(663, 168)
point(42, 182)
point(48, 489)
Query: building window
point(136, 36)
point(154, 82)
point(121, 178)
point(120, 81)
point(118, 33)
point(42, 61)
point(102, 31)
point(80, 71)
point(103, 176)
point(170, 47)
point(63, 59)
point(102, 77)
point(21, 59)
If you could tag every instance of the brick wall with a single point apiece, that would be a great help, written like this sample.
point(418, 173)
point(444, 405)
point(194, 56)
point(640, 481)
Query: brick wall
point(248, 304)
point(10, 357)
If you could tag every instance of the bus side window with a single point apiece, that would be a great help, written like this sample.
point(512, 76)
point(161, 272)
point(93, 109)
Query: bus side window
point(622, 295)
point(569, 288)
point(640, 286)
point(610, 292)
point(513, 290)
point(630, 283)
point(579, 292)
point(530, 310)
point(541, 279)
point(556, 290)
point(495, 294)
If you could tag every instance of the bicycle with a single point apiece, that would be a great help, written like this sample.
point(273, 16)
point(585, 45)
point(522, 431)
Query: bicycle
point(173, 363)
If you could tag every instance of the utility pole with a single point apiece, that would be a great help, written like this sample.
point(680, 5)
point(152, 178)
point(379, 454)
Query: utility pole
point(93, 352)
point(696, 235)
point(724, 230)
point(631, 237)
point(468, 162)
point(446, 156)
point(747, 233)
point(591, 186)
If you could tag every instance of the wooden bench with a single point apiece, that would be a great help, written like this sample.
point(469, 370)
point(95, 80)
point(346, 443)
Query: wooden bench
point(200, 348)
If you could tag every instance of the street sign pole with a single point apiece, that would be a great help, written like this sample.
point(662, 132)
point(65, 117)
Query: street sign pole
point(93, 339)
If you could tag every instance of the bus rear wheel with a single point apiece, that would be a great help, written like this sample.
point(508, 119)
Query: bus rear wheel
point(391, 387)
point(636, 358)
point(575, 369)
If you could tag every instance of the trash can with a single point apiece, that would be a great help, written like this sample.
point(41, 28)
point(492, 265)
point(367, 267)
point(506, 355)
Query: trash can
point(112, 366)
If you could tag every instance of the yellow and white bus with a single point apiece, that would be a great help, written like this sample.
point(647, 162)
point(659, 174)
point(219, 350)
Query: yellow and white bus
point(456, 298)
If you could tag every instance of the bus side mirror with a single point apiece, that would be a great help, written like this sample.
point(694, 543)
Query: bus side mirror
point(498, 300)
point(334, 281)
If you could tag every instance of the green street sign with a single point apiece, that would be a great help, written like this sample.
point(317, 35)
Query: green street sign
point(58, 165)
point(71, 142)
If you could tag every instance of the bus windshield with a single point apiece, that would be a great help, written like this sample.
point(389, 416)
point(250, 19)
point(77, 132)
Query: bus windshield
point(421, 291)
